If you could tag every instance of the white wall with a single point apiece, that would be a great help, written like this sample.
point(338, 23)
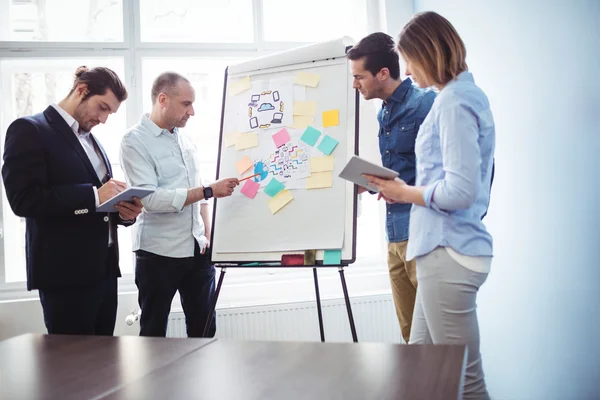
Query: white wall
point(539, 63)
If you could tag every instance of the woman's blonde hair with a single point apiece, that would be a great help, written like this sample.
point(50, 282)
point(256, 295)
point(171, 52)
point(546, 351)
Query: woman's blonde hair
point(430, 41)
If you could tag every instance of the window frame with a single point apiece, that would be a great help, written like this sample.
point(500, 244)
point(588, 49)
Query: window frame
point(132, 49)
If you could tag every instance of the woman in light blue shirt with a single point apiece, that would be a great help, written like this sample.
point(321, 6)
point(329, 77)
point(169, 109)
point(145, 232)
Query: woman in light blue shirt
point(455, 150)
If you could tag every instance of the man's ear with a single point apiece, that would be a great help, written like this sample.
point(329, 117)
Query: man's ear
point(384, 73)
point(81, 90)
point(162, 99)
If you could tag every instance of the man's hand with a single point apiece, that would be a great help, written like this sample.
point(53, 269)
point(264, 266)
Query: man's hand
point(129, 211)
point(110, 189)
point(224, 187)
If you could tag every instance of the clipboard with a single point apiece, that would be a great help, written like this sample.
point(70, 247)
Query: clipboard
point(126, 195)
point(357, 166)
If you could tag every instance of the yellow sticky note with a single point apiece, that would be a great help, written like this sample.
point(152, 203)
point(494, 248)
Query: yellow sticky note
point(246, 141)
point(321, 164)
point(308, 108)
point(280, 200)
point(243, 165)
point(239, 86)
point(319, 180)
point(331, 118)
point(230, 138)
point(302, 121)
point(307, 79)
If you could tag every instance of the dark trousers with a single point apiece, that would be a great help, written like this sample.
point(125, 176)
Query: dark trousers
point(159, 277)
point(83, 310)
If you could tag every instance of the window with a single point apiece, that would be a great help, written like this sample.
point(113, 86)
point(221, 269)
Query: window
point(314, 20)
point(53, 21)
point(223, 21)
point(197, 38)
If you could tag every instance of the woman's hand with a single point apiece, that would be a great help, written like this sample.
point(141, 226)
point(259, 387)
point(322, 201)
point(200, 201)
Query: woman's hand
point(390, 190)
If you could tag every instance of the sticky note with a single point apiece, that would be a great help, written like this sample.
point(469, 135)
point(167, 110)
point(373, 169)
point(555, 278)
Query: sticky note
point(307, 79)
point(309, 257)
point(274, 187)
point(301, 121)
point(239, 86)
point(319, 180)
point(281, 137)
point(230, 138)
point(246, 141)
point(321, 164)
point(332, 257)
point(250, 188)
point(327, 144)
point(280, 200)
point(310, 136)
point(331, 118)
point(307, 108)
point(243, 165)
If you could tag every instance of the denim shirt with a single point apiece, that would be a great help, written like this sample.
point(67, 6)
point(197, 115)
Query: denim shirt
point(399, 119)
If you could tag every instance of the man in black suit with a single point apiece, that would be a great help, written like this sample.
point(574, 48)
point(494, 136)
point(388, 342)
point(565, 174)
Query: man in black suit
point(55, 174)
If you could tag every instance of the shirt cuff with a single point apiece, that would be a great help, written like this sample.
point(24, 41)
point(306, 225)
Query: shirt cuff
point(428, 197)
point(179, 199)
point(97, 199)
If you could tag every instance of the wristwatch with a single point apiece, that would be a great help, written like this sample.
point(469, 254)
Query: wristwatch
point(208, 192)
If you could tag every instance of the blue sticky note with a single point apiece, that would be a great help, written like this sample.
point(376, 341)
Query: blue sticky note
point(327, 144)
point(310, 136)
point(274, 187)
point(332, 257)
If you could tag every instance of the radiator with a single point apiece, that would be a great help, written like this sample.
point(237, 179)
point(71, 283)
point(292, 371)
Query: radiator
point(374, 317)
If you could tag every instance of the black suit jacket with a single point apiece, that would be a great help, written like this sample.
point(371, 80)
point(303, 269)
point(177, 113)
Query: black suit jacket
point(48, 179)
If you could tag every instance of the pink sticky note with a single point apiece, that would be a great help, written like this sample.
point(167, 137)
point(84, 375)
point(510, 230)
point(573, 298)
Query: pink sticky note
point(281, 137)
point(250, 188)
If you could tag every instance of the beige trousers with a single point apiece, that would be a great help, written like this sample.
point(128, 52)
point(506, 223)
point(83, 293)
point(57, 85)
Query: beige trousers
point(403, 278)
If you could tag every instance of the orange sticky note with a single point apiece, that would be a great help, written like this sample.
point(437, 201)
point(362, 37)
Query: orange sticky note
point(243, 165)
point(331, 118)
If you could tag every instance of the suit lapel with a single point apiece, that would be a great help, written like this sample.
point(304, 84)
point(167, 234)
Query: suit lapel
point(61, 126)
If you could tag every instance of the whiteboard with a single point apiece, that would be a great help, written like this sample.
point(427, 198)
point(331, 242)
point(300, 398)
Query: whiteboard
point(245, 230)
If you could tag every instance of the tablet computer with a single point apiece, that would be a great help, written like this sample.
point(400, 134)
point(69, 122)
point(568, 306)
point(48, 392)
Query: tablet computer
point(126, 195)
point(357, 166)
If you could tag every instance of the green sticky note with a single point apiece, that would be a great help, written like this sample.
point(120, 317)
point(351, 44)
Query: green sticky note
point(327, 144)
point(332, 257)
point(310, 136)
point(274, 187)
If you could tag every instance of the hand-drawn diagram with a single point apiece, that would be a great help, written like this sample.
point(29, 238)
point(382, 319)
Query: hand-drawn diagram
point(266, 109)
point(289, 162)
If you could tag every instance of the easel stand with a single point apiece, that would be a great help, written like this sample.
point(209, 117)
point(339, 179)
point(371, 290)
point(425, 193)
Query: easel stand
point(318, 297)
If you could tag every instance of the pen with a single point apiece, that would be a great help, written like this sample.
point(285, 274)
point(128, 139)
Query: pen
point(248, 177)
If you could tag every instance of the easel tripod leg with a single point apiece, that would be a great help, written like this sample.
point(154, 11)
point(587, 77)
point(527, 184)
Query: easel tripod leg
point(319, 312)
point(348, 307)
point(213, 306)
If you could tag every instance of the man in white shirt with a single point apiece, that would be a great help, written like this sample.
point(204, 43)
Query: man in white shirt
point(171, 240)
point(56, 174)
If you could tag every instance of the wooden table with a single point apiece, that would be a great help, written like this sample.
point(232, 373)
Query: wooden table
point(127, 367)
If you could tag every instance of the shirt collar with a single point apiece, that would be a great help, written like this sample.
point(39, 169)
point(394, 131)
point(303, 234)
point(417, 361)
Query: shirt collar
point(400, 91)
point(72, 122)
point(464, 76)
point(153, 128)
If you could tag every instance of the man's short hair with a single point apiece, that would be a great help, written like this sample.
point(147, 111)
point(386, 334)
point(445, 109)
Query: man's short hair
point(379, 51)
point(166, 83)
point(98, 80)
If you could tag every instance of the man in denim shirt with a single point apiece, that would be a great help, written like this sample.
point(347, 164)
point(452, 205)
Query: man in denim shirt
point(375, 66)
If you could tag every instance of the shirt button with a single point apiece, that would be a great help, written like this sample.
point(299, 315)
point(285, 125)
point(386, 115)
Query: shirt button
point(387, 152)
point(387, 133)
point(389, 213)
point(105, 219)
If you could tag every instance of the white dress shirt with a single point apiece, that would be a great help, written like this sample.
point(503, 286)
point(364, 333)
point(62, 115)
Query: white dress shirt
point(86, 141)
point(156, 158)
